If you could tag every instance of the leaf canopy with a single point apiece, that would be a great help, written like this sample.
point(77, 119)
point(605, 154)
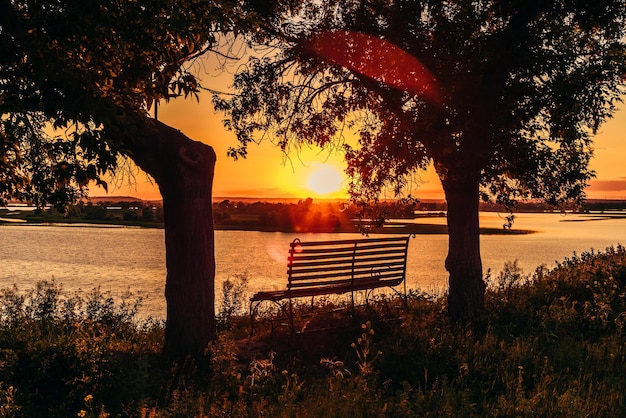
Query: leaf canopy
point(523, 87)
point(77, 79)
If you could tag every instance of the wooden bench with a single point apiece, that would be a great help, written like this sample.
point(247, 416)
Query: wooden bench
point(335, 267)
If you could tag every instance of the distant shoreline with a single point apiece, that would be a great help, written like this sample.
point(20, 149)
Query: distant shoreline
point(305, 217)
point(389, 228)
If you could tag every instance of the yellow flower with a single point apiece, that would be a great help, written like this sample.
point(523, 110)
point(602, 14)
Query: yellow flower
point(88, 398)
point(82, 413)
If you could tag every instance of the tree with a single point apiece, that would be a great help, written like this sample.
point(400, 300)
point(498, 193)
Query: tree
point(77, 79)
point(503, 97)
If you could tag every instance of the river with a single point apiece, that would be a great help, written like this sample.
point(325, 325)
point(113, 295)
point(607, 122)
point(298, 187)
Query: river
point(118, 259)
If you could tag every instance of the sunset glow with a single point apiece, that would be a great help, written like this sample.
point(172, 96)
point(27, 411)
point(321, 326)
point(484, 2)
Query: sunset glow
point(265, 174)
point(325, 179)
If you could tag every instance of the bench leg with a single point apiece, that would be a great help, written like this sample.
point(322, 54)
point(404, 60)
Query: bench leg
point(252, 312)
point(291, 324)
point(403, 297)
point(352, 300)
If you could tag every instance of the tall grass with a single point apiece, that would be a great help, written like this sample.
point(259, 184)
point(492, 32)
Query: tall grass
point(550, 343)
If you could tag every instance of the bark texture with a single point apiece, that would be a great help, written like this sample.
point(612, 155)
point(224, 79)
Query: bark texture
point(183, 169)
point(466, 285)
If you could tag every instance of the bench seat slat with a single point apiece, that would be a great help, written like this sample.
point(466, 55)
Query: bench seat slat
point(331, 263)
point(348, 274)
point(380, 263)
point(322, 259)
point(317, 283)
point(360, 241)
point(305, 257)
point(346, 277)
point(382, 280)
point(345, 273)
point(315, 251)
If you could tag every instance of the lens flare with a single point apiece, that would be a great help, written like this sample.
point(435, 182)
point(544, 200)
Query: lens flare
point(378, 59)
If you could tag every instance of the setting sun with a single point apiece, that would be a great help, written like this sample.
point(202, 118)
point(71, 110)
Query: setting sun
point(325, 179)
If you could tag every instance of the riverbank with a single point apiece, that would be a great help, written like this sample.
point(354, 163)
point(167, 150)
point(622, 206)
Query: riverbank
point(547, 345)
point(392, 227)
point(303, 216)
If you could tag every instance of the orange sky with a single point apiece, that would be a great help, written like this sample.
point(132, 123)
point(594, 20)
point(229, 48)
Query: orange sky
point(265, 173)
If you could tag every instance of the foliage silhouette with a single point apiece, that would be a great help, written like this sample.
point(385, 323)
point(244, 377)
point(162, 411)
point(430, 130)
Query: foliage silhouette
point(502, 97)
point(78, 80)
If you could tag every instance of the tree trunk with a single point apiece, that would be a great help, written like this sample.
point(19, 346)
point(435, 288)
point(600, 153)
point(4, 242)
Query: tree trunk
point(466, 286)
point(183, 170)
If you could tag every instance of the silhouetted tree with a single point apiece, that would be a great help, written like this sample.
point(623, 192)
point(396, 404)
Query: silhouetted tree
point(77, 79)
point(147, 215)
point(502, 96)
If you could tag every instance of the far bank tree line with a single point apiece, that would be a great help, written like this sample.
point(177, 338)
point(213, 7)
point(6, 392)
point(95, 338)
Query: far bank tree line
point(305, 215)
point(108, 211)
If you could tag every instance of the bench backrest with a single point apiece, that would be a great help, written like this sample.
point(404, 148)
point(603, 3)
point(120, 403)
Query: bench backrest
point(361, 263)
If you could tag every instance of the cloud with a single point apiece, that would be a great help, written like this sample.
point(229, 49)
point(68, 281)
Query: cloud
point(614, 185)
point(612, 189)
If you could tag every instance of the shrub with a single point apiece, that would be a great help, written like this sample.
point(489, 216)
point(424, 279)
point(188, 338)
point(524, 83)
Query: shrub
point(232, 302)
point(57, 350)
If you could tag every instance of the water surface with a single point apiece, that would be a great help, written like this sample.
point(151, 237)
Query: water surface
point(117, 259)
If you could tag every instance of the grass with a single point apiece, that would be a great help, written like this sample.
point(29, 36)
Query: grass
point(548, 344)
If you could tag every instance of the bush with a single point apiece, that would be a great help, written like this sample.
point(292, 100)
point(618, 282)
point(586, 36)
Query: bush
point(130, 215)
point(58, 350)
